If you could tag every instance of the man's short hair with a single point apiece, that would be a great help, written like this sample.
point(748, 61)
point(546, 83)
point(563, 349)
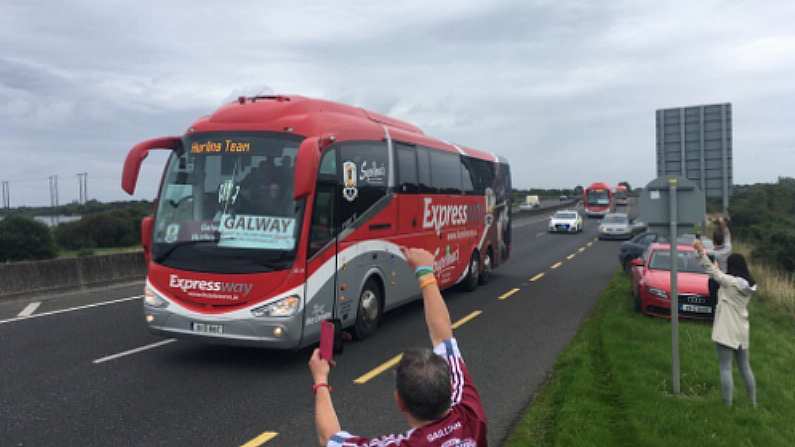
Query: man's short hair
point(423, 384)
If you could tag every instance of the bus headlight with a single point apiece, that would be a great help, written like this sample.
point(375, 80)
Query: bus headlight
point(285, 307)
point(152, 299)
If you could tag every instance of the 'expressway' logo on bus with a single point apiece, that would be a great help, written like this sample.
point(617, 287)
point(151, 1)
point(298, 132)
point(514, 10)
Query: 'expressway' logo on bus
point(440, 216)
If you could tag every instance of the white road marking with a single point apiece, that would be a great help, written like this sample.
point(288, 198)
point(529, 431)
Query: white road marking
point(70, 309)
point(29, 309)
point(541, 233)
point(520, 223)
point(134, 351)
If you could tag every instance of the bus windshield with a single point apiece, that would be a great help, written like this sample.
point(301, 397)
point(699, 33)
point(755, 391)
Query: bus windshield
point(226, 204)
point(598, 197)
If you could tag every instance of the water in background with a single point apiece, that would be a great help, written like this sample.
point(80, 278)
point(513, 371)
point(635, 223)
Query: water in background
point(51, 221)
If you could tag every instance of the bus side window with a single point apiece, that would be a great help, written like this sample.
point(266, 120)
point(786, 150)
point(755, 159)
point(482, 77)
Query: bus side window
point(407, 169)
point(467, 176)
point(323, 228)
point(484, 175)
point(424, 172)
point(446, 169)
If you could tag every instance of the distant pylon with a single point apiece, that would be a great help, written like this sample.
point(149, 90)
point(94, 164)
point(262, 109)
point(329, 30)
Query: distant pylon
point(54, 199)
point(6, 195)
point(82, 184)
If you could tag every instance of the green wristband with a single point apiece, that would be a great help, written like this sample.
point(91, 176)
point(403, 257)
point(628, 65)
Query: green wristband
point(423, 270)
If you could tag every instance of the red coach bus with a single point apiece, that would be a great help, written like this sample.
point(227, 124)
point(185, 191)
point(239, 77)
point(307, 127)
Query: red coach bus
point(597, 199)
point(277, 212)
point(620, 195)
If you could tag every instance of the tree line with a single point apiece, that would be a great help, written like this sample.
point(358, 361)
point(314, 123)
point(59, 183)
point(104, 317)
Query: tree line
point(116, 224)
point(764, 214)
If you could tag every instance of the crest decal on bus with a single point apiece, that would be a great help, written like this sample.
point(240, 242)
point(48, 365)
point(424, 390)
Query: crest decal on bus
point(349, 181)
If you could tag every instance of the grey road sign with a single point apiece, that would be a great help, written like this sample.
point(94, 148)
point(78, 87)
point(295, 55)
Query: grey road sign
point(656, 212)
point(695, 142)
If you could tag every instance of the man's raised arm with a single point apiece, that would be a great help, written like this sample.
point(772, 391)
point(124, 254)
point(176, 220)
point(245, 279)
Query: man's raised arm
point(437, 317)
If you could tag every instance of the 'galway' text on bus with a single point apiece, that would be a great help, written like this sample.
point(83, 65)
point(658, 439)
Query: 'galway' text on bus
point(278, 212)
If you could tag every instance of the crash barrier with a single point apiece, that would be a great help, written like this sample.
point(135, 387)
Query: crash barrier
point(546, 207)
point(23, 278)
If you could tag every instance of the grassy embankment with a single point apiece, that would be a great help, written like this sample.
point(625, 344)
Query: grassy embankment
point(612, 384)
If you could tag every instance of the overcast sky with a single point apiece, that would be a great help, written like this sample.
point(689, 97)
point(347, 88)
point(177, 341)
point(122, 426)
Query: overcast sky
point(565, 90)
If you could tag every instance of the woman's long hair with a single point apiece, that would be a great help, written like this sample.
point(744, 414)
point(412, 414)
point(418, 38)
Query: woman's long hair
point(736, 266)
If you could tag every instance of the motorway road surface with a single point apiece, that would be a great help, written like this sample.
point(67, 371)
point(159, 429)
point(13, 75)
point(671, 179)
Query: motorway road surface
point(77, 373)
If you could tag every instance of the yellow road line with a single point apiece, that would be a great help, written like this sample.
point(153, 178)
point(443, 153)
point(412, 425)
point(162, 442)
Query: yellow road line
point(366, 377)
point(581, 249)
point(537, 277)
point(556, 265)
point(466, 319)
point(507, 294)
point(261, 439)
point(391, 363)
point(571, 256)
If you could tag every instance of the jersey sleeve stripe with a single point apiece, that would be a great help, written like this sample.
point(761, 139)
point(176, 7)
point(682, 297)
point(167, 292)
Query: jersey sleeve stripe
point(458, 379)
point(447, 348)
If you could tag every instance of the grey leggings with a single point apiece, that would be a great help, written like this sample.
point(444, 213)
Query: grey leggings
point(725, 354)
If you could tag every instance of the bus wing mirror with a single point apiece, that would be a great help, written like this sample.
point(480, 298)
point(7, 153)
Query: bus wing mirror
point(306, 163)
point(147, 225)
point(132, 164)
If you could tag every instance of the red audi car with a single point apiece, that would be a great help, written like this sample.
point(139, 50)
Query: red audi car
point(651, 283)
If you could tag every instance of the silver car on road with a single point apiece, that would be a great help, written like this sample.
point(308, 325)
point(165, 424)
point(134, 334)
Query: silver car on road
point(615, 226)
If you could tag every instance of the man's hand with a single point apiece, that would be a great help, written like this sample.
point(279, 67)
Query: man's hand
point(326, 421)
point(319, 367)
point(699, 246)
point(417, 257)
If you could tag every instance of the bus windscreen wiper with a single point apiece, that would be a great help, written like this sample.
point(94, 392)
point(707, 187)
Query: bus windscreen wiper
point(179, 244)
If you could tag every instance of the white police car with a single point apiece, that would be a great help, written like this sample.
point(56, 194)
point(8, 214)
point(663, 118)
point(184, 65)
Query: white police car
point(565, 221)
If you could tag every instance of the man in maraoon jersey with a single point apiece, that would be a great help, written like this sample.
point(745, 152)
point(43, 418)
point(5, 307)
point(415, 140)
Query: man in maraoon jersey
point(434, 390)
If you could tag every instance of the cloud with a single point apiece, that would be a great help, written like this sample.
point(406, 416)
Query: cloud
point(565, 90)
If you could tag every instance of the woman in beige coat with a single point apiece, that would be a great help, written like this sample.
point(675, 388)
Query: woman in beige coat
point(730, 329)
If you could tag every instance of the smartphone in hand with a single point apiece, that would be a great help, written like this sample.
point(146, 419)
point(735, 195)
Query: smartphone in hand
point(327, 331)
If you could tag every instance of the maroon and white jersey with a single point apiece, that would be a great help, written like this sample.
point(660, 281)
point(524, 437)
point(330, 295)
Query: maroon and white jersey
point(463, 426)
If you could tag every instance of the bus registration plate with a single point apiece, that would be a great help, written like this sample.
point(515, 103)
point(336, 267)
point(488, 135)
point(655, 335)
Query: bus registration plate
point(208, 328)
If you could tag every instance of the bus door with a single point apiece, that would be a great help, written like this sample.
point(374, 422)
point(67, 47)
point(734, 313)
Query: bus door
point(406, 188)
point(321, 268)
point(368, 222)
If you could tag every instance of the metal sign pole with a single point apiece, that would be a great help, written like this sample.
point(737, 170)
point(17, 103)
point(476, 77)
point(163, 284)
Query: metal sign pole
point(672, 183)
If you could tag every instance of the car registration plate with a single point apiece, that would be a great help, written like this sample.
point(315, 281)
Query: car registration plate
point(208, 328)
point(697, 309)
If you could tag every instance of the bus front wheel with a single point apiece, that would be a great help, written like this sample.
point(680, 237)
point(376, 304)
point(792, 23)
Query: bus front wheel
point(368, 315)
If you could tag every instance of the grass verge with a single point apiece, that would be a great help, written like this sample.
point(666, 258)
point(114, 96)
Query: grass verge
point(612, 384)
point(777, 286)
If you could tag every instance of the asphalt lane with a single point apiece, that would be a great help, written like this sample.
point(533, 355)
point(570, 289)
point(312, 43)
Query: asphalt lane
point(185, 392)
